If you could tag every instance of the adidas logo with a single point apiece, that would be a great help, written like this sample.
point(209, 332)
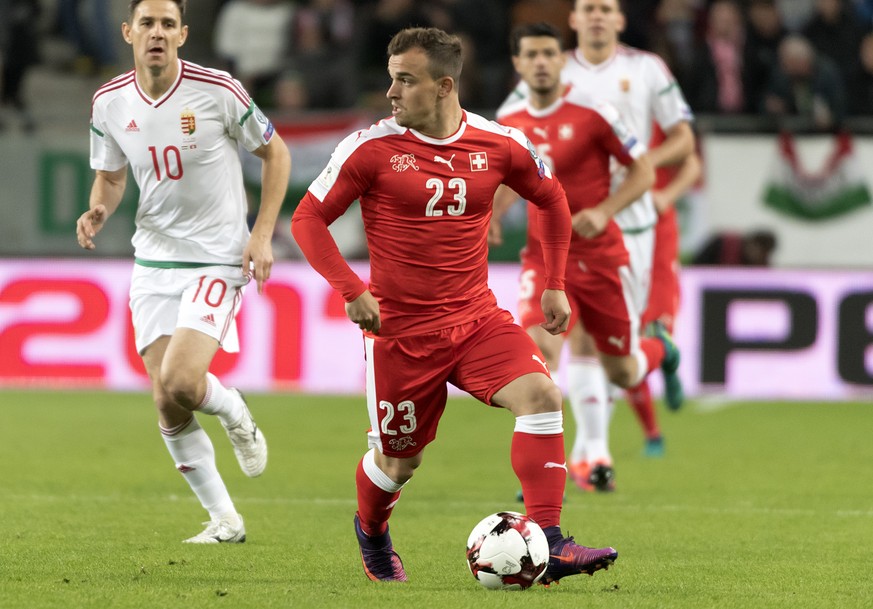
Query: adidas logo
point(209, 319)
point(131, 126)
point(185, 468)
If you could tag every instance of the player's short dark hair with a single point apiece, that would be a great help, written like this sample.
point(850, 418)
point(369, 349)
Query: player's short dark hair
point(131, 8)
point(443, 50)
point(532, 29)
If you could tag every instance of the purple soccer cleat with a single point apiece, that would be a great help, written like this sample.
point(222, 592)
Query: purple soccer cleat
point(566, 557)
point(381, 562)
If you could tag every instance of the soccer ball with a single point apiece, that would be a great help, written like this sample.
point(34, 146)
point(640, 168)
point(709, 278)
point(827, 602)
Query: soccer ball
point(507, 551)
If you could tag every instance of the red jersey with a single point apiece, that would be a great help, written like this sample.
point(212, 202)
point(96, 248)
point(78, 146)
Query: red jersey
point(577, 138)
point(426, 206)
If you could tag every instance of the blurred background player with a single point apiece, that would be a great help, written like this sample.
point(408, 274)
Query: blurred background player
point(671, 183)
point(426, 179)
point(178, 126)
point(579, 138)
point(645, 92)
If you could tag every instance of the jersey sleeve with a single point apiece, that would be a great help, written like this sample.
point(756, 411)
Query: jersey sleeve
point(669, 105)
point(106, 154)
point(247, 124)
point(344, 179)
point(616, 136)
point(531, 178)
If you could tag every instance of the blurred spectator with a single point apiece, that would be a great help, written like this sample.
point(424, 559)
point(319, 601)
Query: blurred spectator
point(806, 85)
point(86, 25)
point(251, 38)
point(715, 81)
point(19, 51)
point(675, 37)
point(860, 89)
point(290, 94)
point(383, 19)
point(323, 53)
point(864, 11)
point(836, 32)
point(737, 249)
point(554, 12)
point(795, 13)
point(764, 33)
point(484, 30)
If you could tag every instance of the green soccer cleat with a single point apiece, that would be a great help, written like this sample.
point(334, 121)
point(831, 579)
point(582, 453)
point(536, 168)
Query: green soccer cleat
point(673, 393)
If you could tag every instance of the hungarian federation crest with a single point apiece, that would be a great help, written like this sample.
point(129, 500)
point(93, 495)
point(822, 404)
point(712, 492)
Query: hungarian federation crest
point(189, 124)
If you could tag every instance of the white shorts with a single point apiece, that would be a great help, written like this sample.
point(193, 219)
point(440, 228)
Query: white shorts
point(205, 299)
point(641, 249)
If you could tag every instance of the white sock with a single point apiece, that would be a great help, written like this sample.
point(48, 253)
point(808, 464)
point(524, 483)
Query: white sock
point(194, 456)
point(588, 401)
point(221, 401)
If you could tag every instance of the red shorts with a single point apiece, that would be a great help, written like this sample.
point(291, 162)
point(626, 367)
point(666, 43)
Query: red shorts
point(664, 291)
point(598, 297)
point(407, 376)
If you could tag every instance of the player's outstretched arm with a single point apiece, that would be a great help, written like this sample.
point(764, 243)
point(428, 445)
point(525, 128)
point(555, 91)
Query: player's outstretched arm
point(275, 170)
point(556, 309)
point(106, 194)
point(677, 145)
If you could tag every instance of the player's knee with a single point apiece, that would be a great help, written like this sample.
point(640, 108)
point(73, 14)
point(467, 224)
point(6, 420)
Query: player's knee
point(548, 398)
point(399, 470)
point(620, 373)
point(179, 387)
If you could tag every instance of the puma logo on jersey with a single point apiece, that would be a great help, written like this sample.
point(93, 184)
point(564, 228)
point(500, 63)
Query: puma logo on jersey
point(537, 359)
point(617, 341)
point(402, 162)
point(541, 132)
point(439, 159)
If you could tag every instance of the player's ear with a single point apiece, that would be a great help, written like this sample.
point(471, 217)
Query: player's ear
point(184, 35)
point(125, 32)
point(446, 86)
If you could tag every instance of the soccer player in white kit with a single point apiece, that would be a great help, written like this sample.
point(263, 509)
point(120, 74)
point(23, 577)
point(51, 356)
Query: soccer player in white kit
point(178, 125)
point(644, 91)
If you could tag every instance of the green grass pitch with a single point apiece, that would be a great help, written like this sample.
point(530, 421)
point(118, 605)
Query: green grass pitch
point(754, 505)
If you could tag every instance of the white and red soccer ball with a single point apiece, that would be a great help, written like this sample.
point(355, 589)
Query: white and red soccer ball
point(507, 551)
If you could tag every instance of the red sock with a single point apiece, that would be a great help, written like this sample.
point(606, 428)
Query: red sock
point(654, 350)
point(374, 504)
point(539, 463)
point(640, 399)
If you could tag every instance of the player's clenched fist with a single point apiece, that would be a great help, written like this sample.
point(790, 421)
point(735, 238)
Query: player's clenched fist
point(89, 224)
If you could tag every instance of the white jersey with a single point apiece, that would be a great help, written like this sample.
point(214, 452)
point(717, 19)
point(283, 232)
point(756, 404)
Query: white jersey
point(644, 91)
point(183, 151)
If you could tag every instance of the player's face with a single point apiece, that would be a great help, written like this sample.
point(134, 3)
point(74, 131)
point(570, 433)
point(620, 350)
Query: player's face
point(597, 22)
point(539, 63)
point(413, 92)
point(155, 32)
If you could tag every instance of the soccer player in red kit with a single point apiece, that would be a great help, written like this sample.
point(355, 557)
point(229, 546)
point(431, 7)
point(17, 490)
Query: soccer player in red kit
point(579, 138)
point(671, 183)
point(426, 178)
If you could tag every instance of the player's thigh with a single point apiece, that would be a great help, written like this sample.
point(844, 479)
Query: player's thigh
point(550, 345)
point(210, 301)
point(492, 353)
point(606, 309)
point(406, 391)
point(640, 248)
point(187, 357)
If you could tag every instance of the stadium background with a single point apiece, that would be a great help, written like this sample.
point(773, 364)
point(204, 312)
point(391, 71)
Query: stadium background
point(808, 318)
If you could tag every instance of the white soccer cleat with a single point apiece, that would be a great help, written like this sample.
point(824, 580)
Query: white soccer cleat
point(249, 444)
point(227, 529)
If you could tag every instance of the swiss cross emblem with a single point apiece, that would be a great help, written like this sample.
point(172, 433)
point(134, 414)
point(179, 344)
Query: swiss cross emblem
point(478, 161)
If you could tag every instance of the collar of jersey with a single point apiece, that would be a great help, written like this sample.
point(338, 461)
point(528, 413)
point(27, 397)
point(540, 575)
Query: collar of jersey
point(442, 142)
